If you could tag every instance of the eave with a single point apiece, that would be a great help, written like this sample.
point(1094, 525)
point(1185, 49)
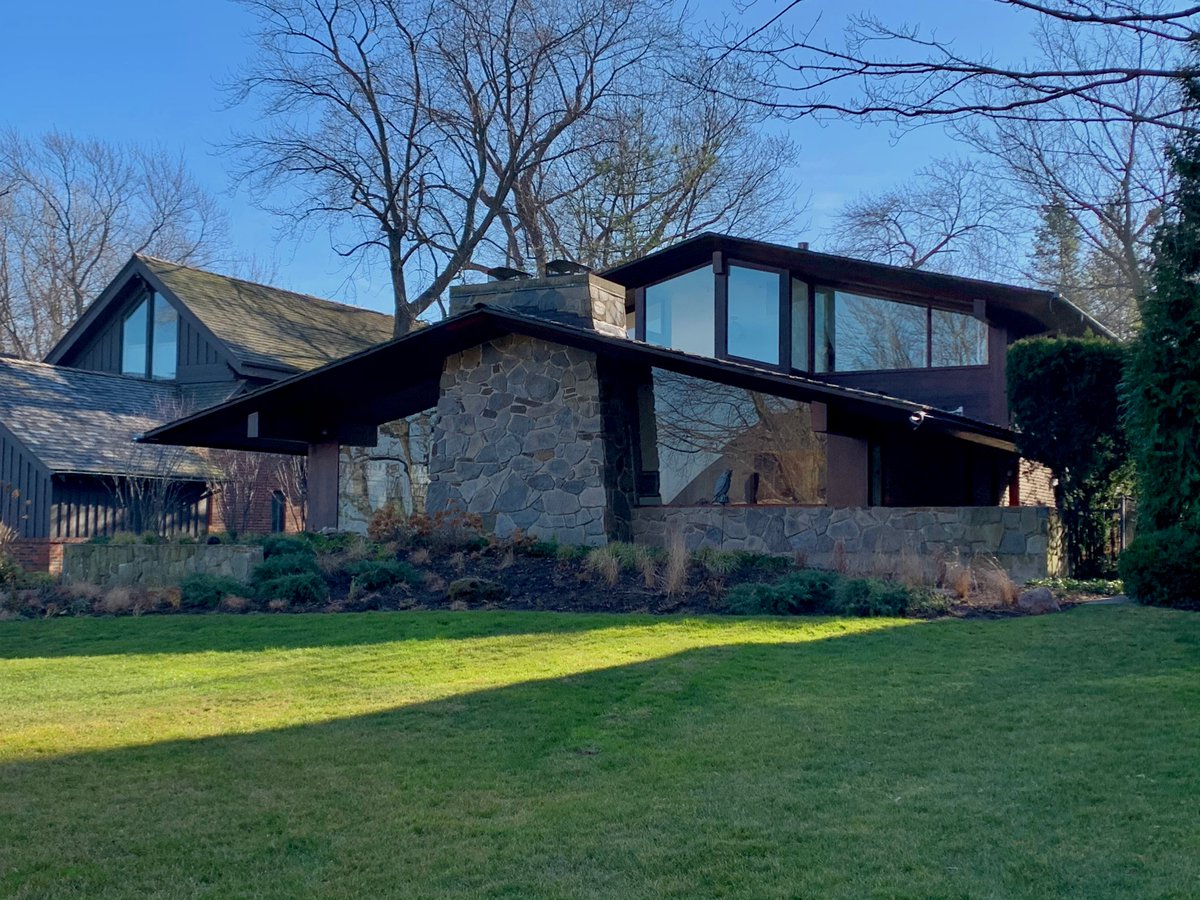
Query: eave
point(346, 400)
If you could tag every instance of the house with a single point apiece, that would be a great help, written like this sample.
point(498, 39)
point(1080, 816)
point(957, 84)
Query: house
point(161, 340)
point(733, 392)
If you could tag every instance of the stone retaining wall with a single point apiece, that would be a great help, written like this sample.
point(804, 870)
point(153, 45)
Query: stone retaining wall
point(155, 565)
point(1022, 540)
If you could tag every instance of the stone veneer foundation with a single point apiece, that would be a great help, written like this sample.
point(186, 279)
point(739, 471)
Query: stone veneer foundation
point(1022, 540)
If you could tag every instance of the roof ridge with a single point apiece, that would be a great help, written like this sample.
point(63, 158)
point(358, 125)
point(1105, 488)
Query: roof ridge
point(270, 287)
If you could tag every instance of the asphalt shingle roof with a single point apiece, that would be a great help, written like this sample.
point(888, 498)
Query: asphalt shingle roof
point(84, 422)
point(270, 327)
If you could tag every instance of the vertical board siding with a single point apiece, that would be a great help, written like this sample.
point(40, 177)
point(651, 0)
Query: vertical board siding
point(84, 507)
point(24, 490)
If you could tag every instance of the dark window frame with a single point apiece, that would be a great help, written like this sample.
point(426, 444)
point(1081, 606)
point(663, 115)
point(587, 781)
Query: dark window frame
point(719, 266)
point(150, 298)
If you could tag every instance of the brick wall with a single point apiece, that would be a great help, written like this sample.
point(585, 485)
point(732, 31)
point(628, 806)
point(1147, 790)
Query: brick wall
point(41, 554)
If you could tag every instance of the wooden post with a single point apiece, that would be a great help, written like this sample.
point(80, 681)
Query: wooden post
point(323, 486)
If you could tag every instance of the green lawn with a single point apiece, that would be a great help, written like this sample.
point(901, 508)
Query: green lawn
point(543, 755)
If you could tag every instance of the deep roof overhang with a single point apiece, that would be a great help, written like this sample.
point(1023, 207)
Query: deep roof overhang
point(346, 400)
point(1026, 310)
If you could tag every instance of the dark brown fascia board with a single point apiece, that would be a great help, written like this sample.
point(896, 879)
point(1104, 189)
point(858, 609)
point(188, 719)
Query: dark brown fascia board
point(99, 308)
point(474, 326)
point(94, 312)
point(848, 272)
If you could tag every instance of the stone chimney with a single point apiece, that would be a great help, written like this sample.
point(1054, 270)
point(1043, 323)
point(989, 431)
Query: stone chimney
point(585, 301)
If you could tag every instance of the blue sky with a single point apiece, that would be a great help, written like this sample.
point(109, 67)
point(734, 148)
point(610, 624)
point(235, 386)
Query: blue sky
point(152, 70)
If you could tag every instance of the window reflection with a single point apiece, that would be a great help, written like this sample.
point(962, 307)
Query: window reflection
point(753, 324)
point(165, 350)
point(767, 442)
point(680, 313)
point(958, 340)
point(133, 341)
point(878, 334)
point(799, 325)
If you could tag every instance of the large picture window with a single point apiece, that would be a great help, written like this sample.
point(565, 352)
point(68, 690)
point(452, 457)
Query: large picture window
point(856, 333)
point(753, 324)
point(777, 319)
point(680, 313)
point(767, 444)
point(150, 339)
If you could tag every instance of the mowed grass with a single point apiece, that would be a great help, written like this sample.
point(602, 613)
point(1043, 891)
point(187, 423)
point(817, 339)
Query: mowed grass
point(543, 755)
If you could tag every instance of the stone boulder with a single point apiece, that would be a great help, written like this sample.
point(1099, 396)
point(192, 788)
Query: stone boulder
point(1036, 601)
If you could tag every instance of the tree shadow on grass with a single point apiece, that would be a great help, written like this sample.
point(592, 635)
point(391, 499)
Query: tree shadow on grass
point(905, 761)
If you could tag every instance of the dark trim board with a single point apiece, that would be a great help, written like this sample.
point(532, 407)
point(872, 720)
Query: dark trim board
point(1024, 310)
point(402, 377)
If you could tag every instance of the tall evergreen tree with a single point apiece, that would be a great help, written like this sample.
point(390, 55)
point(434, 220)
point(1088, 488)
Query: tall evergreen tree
point(1163, 378)
point(1056, 263)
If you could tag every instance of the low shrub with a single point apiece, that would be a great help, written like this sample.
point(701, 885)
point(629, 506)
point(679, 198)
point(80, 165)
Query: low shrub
point(570, 553)
point(816, 591)
point(806, 591)
point(388, 525)
point(925, 603)
point(869, 597)
point(540, 549)
point(299, 588)
point(323, 543)
point(1162, 568)
point(288, 564)
point(286, 545)
point(762, 563)
point(207, 591)
point(375, 575)
point(1106, 586)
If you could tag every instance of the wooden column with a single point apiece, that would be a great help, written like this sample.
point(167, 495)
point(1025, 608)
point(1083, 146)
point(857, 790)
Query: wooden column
point(323, 486)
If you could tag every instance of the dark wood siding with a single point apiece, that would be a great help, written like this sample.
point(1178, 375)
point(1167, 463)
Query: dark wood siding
point(86, 506)
point(971, 387)
point(199, 358)
point(24, 489)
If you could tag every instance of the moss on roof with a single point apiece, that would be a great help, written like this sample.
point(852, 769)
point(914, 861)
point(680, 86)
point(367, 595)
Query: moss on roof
point(269, 327)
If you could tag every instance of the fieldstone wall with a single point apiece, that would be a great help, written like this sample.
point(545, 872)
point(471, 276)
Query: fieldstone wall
point(155, 565)
point(395, 472)
point(518, 439)
point(1022, 540)
point(586, 300)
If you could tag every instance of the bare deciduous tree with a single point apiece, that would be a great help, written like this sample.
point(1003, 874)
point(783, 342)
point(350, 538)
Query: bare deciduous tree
point(949, 218)
point(907, 74)
point(652, 169)
point(71, 212)
point(410, 121)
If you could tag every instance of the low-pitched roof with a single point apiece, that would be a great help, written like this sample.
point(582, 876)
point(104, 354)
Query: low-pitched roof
point(345, 399)
point(81, 422)
point(267, 326)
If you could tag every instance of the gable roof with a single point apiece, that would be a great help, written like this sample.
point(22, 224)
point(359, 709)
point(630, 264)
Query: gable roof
point(346, 398)
point(260, 327)
point(80, 422)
